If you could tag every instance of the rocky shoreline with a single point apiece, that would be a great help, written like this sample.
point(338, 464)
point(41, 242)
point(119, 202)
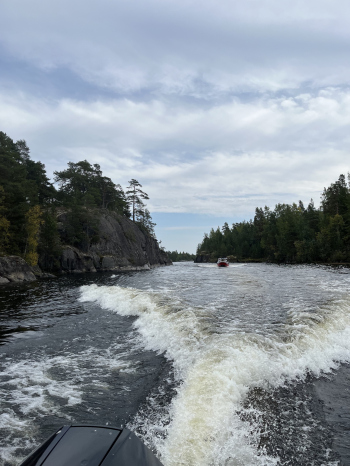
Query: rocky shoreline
point(122, 246)
point(15, 269)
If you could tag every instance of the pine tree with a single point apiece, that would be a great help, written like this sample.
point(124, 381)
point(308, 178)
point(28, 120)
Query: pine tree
point(145, 219)
point(134, 196)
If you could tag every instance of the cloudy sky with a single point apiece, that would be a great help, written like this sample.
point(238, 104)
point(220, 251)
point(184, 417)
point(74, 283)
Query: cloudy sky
point(216, 107)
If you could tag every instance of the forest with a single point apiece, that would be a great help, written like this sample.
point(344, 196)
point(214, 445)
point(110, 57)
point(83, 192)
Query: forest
point(30, 203)
point(290, 233)
point(176, 256)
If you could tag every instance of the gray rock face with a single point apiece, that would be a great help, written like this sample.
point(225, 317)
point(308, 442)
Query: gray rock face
point(15, 269)
point(122, 245)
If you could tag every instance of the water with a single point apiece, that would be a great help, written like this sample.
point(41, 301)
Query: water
point(246, 365)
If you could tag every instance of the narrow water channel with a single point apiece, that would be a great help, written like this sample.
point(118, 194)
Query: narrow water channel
point(245, 365)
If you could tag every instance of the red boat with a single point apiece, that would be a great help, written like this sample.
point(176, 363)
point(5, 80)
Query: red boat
point(222, 262)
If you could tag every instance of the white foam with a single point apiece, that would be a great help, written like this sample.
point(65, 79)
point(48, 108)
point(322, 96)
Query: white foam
point(214, 265)
point(218, 370)
point(9, 420)
point(47, 385)
point(162, 329)
point(32, 383)
point(12, 432)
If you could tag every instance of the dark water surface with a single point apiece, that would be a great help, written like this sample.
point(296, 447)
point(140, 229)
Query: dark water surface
point(209, 366)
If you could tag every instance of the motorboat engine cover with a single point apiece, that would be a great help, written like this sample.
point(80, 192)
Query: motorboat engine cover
point(81, 445)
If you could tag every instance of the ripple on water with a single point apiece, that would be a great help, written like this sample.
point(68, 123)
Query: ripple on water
point(239, 353)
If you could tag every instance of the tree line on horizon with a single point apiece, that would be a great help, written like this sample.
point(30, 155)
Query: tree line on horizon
point(291, 233)
point(30, 203)
point(176, 256)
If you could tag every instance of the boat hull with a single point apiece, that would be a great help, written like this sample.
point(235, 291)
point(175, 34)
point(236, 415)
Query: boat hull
point(222, 264)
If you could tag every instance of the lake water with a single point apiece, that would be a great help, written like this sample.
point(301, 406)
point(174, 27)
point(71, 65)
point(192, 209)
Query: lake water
point(246, 365)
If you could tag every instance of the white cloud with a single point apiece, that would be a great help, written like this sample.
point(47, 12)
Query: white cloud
point(201, 49)
point(185, 227)
point(216, 107)
point(223, 159)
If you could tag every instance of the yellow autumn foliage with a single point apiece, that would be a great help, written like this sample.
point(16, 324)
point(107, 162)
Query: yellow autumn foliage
point(33, 222)
point(4, 224)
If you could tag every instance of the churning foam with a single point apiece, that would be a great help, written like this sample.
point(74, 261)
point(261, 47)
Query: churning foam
point(218, 370)
point(34, 391)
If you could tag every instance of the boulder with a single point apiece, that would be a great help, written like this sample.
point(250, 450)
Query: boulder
point(15, 269)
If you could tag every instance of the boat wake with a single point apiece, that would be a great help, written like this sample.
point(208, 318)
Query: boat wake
point(207, 421)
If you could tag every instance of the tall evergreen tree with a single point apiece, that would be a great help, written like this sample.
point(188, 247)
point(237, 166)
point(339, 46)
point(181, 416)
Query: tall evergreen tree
point(135, 197)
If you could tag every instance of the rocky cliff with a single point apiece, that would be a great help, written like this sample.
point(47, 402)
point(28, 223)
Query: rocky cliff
point(121, 245)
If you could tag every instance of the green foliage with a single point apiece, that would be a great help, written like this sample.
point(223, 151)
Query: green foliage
point(29, 205)
point(176, 256)
point(38, 188)
point(50, 242)
point(33, 222)
point(135, 197)
point(290, 233)
point(140, 214)
point(80, 228)
point(84, 184)
point(144, 219)
point(20, 192)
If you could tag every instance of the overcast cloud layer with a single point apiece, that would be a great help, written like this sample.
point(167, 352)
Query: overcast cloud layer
point(215, 108)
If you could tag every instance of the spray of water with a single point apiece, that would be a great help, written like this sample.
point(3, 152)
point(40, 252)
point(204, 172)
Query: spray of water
point(216, 371)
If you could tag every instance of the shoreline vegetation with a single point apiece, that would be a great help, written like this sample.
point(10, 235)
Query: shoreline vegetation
point(289, 234)
point(176, 256)
point(38, 220)
point(87, 223)
point(248, 260)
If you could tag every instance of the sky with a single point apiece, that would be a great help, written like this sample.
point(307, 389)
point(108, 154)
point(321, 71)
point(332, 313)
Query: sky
point(215, 107)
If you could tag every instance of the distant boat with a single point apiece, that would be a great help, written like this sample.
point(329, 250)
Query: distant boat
point(222, 262)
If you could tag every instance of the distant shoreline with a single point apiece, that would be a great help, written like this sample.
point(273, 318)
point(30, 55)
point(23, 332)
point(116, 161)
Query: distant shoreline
point(265, 261)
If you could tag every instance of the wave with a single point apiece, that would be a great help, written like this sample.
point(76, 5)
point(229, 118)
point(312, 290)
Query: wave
point(215, 372)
